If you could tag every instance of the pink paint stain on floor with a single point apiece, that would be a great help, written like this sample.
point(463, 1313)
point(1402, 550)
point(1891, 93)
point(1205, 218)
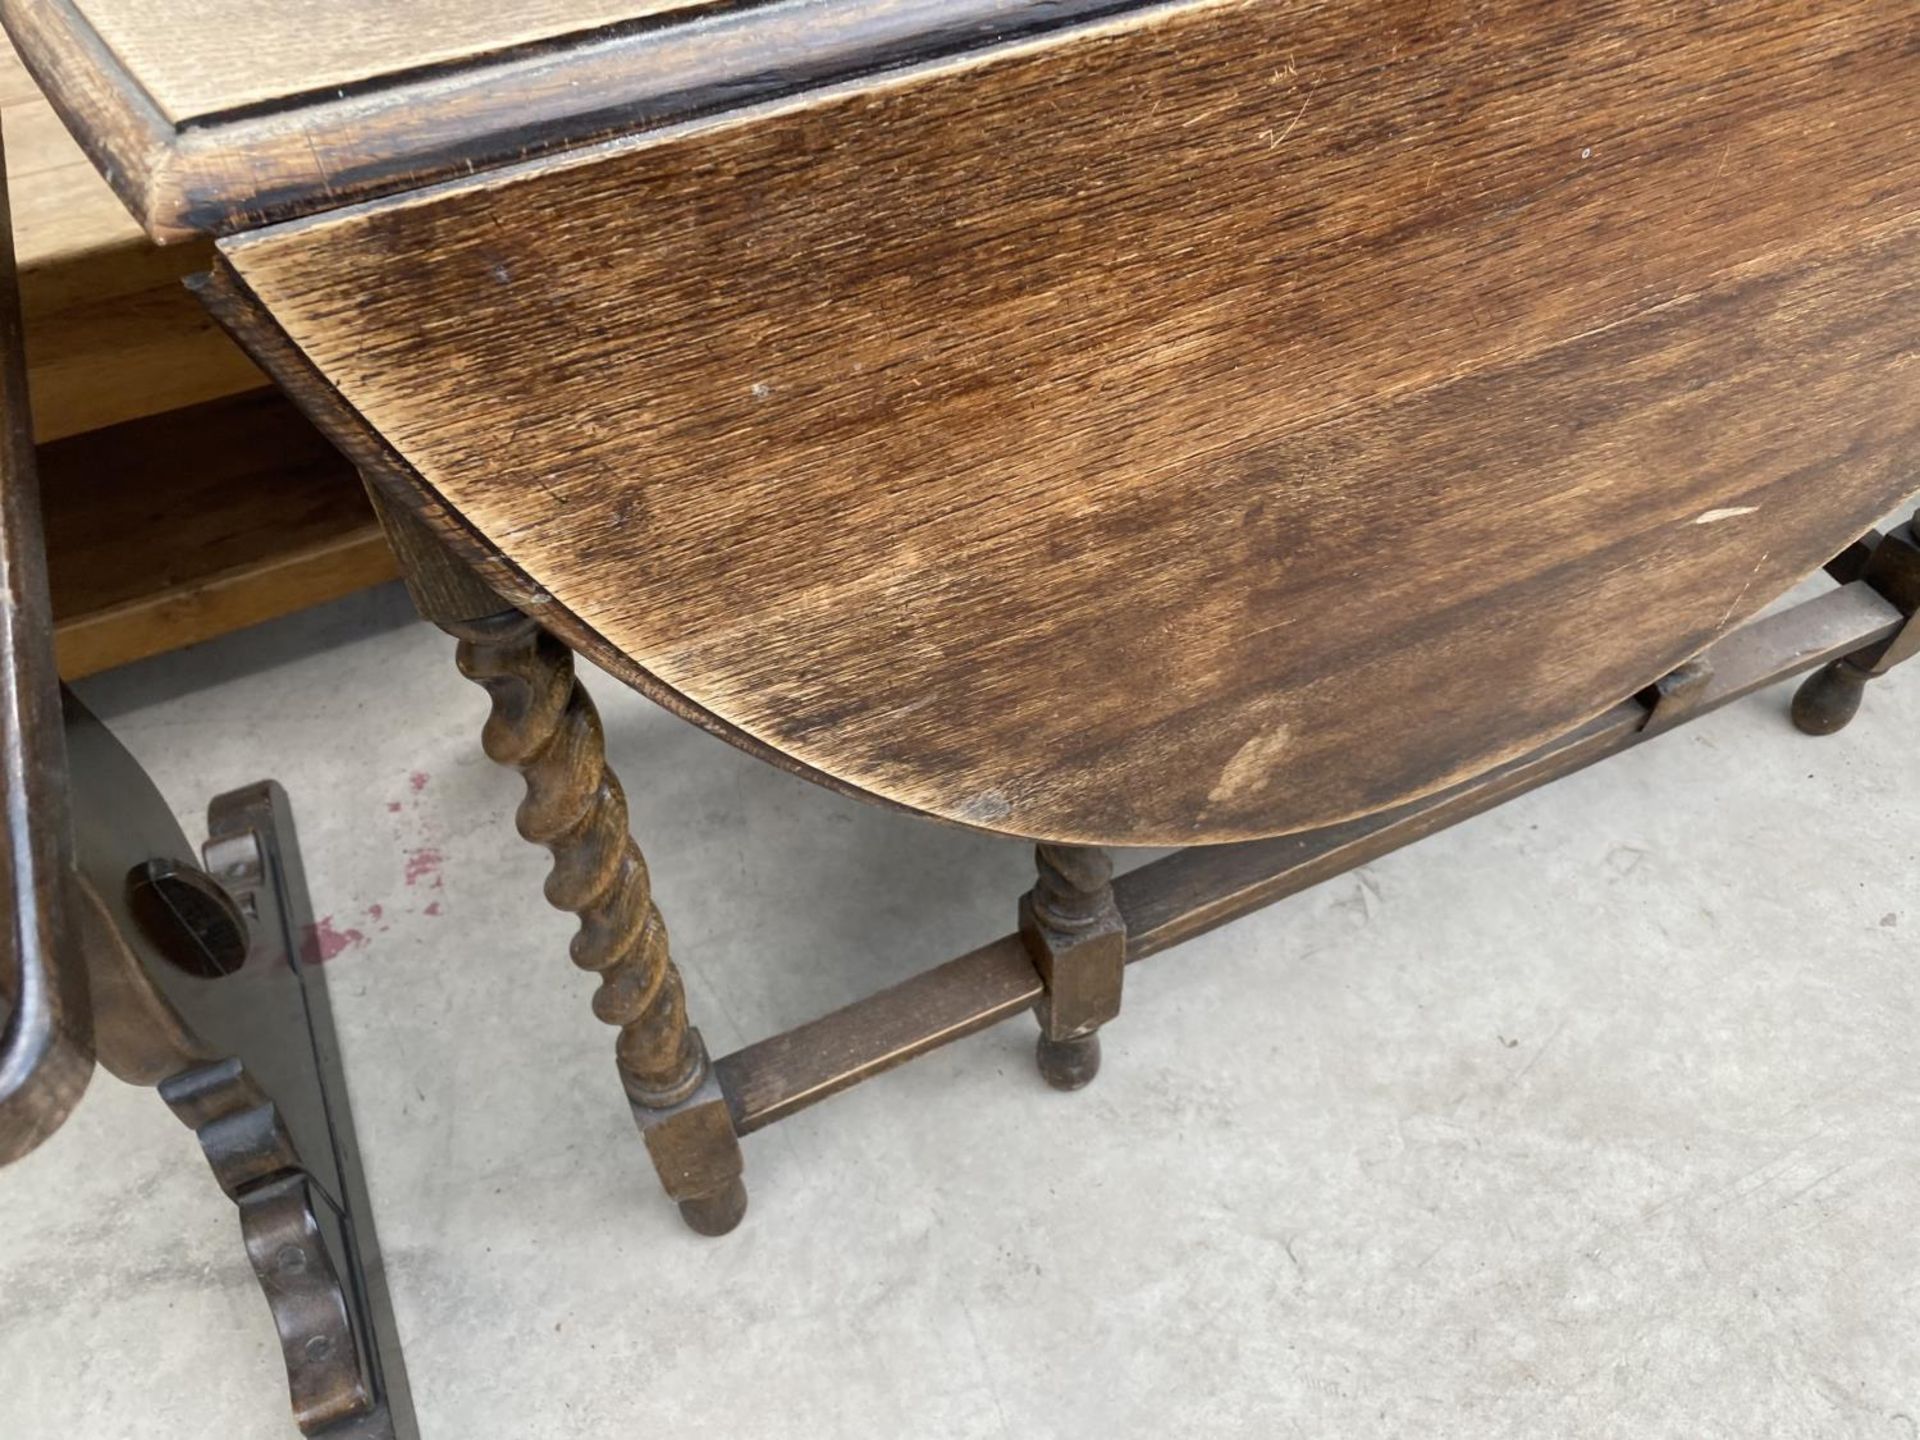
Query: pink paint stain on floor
point(423, 863)
point(393, 807)
point(433, 909)
point(322, 941)
point(417, 781)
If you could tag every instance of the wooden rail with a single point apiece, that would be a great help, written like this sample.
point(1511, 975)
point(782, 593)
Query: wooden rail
point(1193, 891)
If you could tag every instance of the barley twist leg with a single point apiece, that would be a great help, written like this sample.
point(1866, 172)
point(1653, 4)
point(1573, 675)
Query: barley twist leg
point(544, 725)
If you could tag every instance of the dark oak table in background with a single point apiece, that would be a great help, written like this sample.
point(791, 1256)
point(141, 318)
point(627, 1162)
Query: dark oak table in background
point(1265, 426)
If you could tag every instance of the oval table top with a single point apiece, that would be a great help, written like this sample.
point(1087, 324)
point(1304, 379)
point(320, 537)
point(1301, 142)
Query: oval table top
point(1208, 423)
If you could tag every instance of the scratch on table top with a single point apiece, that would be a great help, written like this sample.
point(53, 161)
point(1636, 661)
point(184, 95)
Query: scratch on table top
point(1734, 604)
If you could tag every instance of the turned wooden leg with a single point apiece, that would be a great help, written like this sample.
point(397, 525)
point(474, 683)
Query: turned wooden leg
point(1079, 945)
point(1830, 697)
point(544, 725)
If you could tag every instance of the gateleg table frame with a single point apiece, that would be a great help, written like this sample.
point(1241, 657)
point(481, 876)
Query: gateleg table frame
point(1487, 390)
point(1079, 926)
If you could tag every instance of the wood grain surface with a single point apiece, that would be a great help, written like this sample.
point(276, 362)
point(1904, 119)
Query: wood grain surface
point(239, 53)
point(1208, 425)
point(419, 122)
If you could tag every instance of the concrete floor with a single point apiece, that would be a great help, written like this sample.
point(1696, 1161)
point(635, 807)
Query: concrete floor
point(1599, 1115)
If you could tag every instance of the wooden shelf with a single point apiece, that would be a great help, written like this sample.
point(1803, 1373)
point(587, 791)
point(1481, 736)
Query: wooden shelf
point(172, 529)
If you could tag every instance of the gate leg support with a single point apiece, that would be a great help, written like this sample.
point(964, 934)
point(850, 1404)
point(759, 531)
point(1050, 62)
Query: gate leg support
point(1078, 942)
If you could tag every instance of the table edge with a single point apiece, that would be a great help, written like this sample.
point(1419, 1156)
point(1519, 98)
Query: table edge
point(238, 311)
point(236, 170)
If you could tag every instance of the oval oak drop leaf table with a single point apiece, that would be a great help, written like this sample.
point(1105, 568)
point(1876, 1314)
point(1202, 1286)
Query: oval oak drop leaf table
point(1270, 430)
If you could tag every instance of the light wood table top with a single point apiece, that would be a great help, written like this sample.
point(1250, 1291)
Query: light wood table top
point(219, 56)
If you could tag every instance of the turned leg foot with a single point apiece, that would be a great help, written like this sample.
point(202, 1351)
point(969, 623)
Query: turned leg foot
point(1889, 564)
point(1068, 1064)
point(1829, 698)
point(1078, 942)
point(716, 1214)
